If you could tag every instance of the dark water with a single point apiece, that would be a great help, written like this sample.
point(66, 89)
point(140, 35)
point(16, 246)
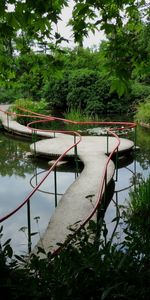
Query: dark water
point(19, 173)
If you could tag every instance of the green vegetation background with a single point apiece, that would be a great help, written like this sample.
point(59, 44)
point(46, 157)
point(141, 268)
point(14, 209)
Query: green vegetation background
point(113, 78)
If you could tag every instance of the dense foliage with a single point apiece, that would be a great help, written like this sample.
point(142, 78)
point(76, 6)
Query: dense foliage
point(115, 78)
point(122, 22)
point(34, 65)
point(69, 80)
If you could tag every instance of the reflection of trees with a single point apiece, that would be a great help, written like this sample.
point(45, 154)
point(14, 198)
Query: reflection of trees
point(13, 160)
point(143, 141)
point(136, 178)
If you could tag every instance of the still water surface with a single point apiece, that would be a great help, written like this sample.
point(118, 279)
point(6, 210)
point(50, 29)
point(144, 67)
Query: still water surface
point(19, 173)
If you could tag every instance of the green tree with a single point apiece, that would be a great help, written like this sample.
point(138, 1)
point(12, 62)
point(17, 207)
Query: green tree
point(122, 22)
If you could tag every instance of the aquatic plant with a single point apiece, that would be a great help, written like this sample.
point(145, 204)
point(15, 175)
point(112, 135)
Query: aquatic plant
point(138, 211)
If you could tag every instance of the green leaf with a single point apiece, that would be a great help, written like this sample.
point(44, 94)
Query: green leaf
point(33, 233)
point(8, 251)
point(7, 242)
point(23, 229)
point(108, 290)
point(20, 258)
point(41, 250)
point(118, 86)
point(115, 219)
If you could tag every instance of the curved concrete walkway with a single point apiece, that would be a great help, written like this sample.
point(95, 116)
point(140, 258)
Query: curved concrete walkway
point(74, 205)
point(14, 127)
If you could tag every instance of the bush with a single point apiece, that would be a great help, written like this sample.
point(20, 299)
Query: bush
point(139, 91)
point(55, 92)
point(9, 95)
point(88, 91)
point(35, 106)
point(143, 112)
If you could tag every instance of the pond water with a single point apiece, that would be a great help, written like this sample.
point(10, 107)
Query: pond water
point(19, 173)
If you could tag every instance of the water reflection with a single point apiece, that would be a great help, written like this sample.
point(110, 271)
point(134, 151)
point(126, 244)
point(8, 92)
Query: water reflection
point(143, 141)
point(13, 160)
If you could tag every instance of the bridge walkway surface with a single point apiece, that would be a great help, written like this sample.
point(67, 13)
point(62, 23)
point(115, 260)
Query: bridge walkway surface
point(75, 205)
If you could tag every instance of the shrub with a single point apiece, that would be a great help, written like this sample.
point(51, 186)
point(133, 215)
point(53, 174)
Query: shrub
point(88, 91)
point(55, 92)
point(9, 94)
point(35, 106)
point(79, 116)
point(143, 112)
point(139, 91)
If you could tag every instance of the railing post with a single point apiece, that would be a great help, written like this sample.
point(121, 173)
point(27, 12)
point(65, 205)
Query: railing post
point(116, 164)
point(135, 144)
point(34, 140)
point(7, 120)
point(36, 175)
point(105, 185)
point(55, 185)
point(135, 137)
point(107, 142)
point(29, 226)
point(77, 170)
point(76, 156)
point(75, 148)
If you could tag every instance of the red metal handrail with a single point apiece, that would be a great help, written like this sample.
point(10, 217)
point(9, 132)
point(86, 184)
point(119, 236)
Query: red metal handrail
point(43, 179)
point(45, 118)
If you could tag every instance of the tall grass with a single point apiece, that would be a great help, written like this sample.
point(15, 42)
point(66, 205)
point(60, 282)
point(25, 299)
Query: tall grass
point(29, 104)
point(79, 116)
point(139, 205)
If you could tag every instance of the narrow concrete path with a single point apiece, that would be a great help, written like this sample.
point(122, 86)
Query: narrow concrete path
point(14, 127)
point(74, 205)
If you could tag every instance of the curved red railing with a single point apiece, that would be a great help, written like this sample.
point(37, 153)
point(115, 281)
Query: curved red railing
point(43, 179)
point(43, 118)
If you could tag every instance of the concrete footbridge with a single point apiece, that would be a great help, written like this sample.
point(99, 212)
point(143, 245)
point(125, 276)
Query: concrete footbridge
point(80, 202)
